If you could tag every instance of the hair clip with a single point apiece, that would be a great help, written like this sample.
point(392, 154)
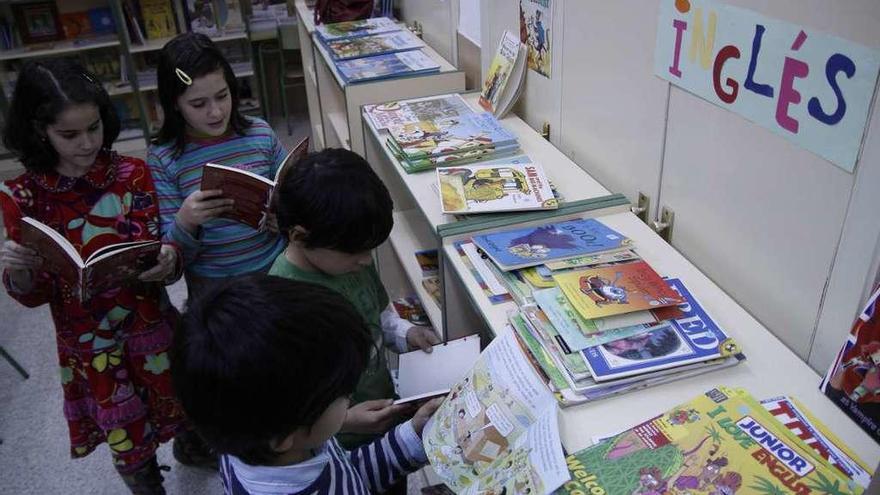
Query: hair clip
point(183, 76)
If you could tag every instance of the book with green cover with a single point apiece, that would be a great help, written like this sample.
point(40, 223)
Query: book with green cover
point(378, 44)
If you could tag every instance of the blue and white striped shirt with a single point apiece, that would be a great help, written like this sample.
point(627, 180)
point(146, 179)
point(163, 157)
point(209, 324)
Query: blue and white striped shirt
point(370, 468)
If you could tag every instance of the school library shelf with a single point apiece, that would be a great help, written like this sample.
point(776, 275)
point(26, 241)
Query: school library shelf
point(770, 370)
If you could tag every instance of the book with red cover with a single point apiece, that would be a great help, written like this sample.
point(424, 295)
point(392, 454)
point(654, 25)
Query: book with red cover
point(106, 268)
point(252, 193)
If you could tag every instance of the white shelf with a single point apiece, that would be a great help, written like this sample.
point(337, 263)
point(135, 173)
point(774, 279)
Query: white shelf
point(339, 126)
point(57, 48)
point(151, 45)
point(408, 236)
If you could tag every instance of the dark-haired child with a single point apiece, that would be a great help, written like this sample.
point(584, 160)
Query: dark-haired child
point(270, 399)
point(112, 349)
point(335, 211)
point(202, 123)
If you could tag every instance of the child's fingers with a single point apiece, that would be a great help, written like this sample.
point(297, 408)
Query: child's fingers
point(212, 204)
point(430, 407)
point(209, 193)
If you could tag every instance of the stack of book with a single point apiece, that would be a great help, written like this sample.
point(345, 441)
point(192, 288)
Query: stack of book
point(376, 48)
point(443, 131)
point(597, 319)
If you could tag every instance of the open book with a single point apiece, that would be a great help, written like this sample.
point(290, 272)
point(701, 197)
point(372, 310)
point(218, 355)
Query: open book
point(423, 375)
point(252, 193)
point(506, 76)
point(104, 269)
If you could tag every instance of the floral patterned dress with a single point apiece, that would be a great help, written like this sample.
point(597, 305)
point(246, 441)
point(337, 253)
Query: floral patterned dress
point(113, 349)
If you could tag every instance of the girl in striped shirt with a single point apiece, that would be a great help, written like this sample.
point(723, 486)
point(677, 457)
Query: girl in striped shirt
point(272, 399)
point(202, 123)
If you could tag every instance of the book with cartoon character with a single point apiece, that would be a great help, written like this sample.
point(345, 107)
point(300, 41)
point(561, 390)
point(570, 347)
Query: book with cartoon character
point(426, 139)
point(397, 113)
point(722, 442)
point(354, 29)
point(494, 188)
point(520, 248)
point(506, 76)
point(497, 430)
point(853, 381)
point(386, 66)
point(377, 44)
point(601, 291)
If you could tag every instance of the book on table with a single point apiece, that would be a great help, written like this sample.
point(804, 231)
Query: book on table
point(104, 269)
point(434, 138)
point(377, 44)
point(355, 29)
point(252, 193)
point(409, 63)
point(423, 375)
point(495, 188)
point(430, 108)
point(506, 77)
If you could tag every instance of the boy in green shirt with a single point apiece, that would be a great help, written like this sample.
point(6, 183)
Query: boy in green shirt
point(335, 210)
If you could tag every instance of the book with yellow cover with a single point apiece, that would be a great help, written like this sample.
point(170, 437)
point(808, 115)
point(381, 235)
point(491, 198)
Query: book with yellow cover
point(598, 292)
point(158, 18)
point(722, 442)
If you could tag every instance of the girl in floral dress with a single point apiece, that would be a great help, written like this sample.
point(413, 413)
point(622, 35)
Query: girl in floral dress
point(112, 349)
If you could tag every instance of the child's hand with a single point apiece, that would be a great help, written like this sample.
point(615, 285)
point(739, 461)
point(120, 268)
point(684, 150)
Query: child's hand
point(19, 262)
point(201, 206)
point(424, 414)
point(164, 269)
point(271, 223)
point(373, 416)
point(422, 338)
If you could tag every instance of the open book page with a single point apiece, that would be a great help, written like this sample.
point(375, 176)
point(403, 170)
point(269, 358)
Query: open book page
point(250, 192)
point(111, 269)
point(424, 375)
point(498, 429)
point(59, 255)
point(295, 155)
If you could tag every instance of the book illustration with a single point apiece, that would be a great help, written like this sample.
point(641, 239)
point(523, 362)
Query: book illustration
point(623, 288)
point(476, 264)
point(488, 188)
point(432, 286)
point(538, 278)
point(422, 374)
point(458, 158)
point(429, 261)
point(214, 17)
point(410, 308)
point(500, 71)
point(535, 20)
point(354, 29)
point(592, 260)
point(104, 269)
point(533, 246)
point(364, 46)
point(425, 139)
point(722, 442)
point(853, 380)
point(158, 18)
point(497, 431)
point(432, 108)
point(388, 65)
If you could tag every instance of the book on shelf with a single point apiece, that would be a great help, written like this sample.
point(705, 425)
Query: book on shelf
point(495, 188)
point(531, 246)
point(431, 108)
point(214, 17)
point(506, 77)
point(104, 269)
point(413, 62)
point(377, 44)
point(134, 22)
point(101, 21)
point(497, 430)
point(723, 441)
point(431, 284)
point(252, 193)
point(853, 380)
point(435, 138)
point(423, 375)
point(410, 308)
point(76, 24)
point(601, 291)
point(158, 16)
point(37, 22)
point(355, 29)
point(429, 261)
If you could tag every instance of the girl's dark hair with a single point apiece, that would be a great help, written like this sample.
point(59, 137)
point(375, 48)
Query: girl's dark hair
point(195, 55)
point(43, 90)
point(335, 195)
point(262, 356)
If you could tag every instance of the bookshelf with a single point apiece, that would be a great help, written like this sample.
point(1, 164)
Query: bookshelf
point(419, 224)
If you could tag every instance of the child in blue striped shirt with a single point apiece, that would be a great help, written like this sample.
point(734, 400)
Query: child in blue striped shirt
point(270, 399)
point(202, 123)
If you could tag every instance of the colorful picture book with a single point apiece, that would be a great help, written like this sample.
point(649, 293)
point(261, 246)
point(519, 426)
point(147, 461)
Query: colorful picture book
point(598, 292)
point(535, 21)
point(504, 81)
point(354, 29)
point(533, 246)
point(853, 381)
point(494, 188)
point(214, 17)
point(477, 155)
point(365, 46)
point(424, 139)
point(104, 269)
point(722, 442)
point(410, 308)
point(251, 192)
point(431, 108)
point(158, 18)
point(407, 63)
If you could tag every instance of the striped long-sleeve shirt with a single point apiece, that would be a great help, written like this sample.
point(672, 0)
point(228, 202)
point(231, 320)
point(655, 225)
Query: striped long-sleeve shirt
point(371, 468)
point(222, 247)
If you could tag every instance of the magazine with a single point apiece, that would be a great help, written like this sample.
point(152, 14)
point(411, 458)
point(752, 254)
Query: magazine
point(532, 246)
point(497, 430)
point(252, 193)
point(386, 66)
point(431, 108)
point(104, 269)
point(722, 442)
point(493, 188)
point(354, 29)
point(377, 44)
point(504, 81)
point(425, 139)
point(598, 292)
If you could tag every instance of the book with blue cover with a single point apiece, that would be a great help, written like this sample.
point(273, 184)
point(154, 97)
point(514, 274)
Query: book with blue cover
point(366, 46)
point(425, 139)
point(355, 29)
point(692, 338)
point(386, 66)
point(520, 248)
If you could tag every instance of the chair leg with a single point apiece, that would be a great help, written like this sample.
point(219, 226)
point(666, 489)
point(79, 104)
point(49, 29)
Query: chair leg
point(14, 363)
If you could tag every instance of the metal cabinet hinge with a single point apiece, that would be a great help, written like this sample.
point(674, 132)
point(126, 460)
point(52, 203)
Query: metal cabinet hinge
point(663, 226)
point(642, 208)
